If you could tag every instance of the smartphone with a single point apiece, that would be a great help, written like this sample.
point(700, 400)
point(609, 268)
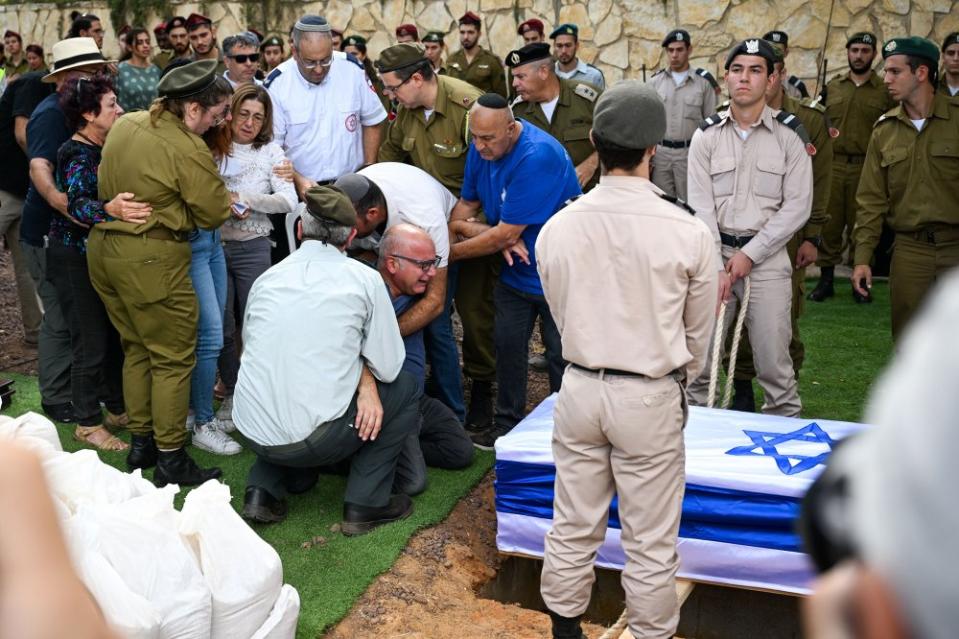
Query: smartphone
point(240, 209)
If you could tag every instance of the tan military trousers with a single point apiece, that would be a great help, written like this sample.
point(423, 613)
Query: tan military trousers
point(769, 322)
point(622, 434)
point(669, 170)
point(837, 231)
point(916, 267)
point(146, 288)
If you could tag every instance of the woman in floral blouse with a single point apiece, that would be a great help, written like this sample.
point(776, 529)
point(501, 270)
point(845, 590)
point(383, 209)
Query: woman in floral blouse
point(91, 108)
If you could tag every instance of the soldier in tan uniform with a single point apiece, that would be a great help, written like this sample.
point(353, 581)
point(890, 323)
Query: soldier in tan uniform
point(690, 97)
point(562, 108)
point(629, 339)
point(142, 271)
point(803, 248)
point(474, 64)
point(949, 82)
point(793, 86)
point(911, 180)
point(438, 145)
point(750, 180)
point(854, 101)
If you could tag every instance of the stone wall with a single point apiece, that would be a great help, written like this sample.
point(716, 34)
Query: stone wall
point(619, 36)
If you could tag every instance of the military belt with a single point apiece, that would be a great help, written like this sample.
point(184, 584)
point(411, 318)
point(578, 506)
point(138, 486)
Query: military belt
point(849, 159)
point(607, 372)
point(676, 144)
point(156, 233)
point(735, 241)
point(935, 235)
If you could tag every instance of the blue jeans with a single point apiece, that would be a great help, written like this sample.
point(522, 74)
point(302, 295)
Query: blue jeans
point(208, 272)
point(446, 381)
point(516, 313)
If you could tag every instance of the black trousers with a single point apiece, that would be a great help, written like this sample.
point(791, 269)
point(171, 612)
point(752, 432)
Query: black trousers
point(440, 442)
point(372, 463)
point(97, 371)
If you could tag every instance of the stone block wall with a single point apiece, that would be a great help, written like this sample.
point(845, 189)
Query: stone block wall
point(618, 36)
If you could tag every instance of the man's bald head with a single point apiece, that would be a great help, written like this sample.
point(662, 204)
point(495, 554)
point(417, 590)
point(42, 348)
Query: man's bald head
point(493, 127)
point(407, 259)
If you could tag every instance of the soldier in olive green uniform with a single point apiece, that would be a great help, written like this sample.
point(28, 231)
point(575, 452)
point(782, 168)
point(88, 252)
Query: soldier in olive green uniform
point(438, 145)
point(142, 271)
point(804, 246)
point(854, 101)
point(474, 64)
point(911, 179)
point(355, 45)
point(949, 82)
point(536, 84)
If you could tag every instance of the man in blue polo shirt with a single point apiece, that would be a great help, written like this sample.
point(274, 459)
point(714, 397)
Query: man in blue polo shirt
point(520, 176)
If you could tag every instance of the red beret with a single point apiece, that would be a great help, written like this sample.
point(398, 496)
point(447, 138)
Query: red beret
point(471, 18)
point(531, 25)
point(160, 28)
point(407, 30)
point(195, 20)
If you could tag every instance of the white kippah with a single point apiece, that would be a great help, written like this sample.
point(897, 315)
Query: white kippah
point(313, 24)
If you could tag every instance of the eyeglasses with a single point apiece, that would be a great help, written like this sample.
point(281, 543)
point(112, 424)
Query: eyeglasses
point(243, 116)
point(221, 117)
point(243, 58)
point(312, 64)
point(395, 88)
point(425, 265)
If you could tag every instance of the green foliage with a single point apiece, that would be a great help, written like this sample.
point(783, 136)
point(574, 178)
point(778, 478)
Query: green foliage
point(133, 12)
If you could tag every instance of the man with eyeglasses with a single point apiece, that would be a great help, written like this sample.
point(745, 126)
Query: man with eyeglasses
point(408, 262)
point(326, 117)
point(242, 58)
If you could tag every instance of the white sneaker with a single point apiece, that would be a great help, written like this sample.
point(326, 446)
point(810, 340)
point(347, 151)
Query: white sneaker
point(211, 438)
point(225, 415)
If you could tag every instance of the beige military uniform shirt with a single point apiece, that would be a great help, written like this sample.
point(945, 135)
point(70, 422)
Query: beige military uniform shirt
point(630, 280)
point(761, 186)
point(687, 105)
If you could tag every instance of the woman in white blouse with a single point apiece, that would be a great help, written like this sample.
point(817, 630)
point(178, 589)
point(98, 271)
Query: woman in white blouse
point(258, 176)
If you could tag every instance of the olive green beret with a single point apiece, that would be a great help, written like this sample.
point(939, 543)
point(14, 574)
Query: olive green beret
point(354, 40)
point(433, 36)
point(862, 37)
point(913, 45)
point(272, 41)
point(567, 28)
point(400, 56)
point(631, 115)
point(190, 79)
point(330, 204)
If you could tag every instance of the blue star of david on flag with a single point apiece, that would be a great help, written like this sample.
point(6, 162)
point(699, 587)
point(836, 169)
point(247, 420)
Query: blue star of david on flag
point(765, 445)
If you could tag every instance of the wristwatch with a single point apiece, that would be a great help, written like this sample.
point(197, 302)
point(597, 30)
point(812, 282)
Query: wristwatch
point(815, 240)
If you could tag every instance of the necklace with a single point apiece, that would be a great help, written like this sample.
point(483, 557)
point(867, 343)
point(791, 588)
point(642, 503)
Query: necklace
point(91, 142)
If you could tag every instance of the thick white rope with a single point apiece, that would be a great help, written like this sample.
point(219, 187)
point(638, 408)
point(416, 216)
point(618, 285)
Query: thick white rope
point(617, 629)
point(734, 350)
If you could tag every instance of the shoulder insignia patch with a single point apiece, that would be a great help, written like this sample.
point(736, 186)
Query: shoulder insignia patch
point(274, 74)
point(797, 127)
point(715, 118)
point(706, 75)
point(586, 91)
point(572, 199)
point(678, 202)
point(800, 85)
point(352, 58)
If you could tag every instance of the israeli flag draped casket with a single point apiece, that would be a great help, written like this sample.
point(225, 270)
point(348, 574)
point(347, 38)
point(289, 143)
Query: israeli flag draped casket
point(745, 476)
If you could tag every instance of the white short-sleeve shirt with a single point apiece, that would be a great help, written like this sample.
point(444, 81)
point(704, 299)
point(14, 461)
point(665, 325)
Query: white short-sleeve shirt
point(415, 197)
point(320, 126)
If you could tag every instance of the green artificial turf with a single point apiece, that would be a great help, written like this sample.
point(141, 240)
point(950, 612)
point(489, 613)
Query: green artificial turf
point(846, 347)
point(334, 571)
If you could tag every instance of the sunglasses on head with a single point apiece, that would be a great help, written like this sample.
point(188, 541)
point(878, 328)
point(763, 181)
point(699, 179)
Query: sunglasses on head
point(243, 58)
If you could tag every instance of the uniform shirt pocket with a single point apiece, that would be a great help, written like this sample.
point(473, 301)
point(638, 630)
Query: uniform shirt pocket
point(769, 178)
point(893, 161)
point(722, 170)
point(945, 162)
point(693, 108)
point(349, 117)
point(409, 143)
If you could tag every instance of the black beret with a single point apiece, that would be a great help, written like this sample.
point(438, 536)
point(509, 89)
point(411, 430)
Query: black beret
point(272, 41)
point(433, 36)
point(779, 37)
point(530, 53)
point(753, 46)
point(354, 41)
point(951, 39)
point(677, 35)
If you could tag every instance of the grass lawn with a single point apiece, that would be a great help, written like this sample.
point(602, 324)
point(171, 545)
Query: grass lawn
point(846, 346)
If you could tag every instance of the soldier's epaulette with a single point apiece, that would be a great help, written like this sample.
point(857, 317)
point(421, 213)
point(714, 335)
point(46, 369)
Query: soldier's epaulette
point(793, 122)
point(888, 115)
point(352, 58)
point(516, 101)
point(660, 72)
point(715, 118)
point(678, 202)
point(706, 75)
point(813, 103)
point(723, 107)
point(838, 76)
point(274, 74)
point(800, 86)
point(586, 91)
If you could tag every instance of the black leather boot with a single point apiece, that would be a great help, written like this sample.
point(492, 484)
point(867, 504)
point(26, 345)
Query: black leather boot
point(143, 452)
point(479, 417)
point(566, 627)
point(176, 467)
point(359, 520)
point(824, 288)
point(743, 398)
point(261, 507)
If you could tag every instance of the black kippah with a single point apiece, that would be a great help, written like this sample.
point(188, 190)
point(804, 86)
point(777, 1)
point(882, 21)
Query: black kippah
point(493, 101)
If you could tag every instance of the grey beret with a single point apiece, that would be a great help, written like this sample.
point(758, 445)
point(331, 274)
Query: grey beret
point(631, 115)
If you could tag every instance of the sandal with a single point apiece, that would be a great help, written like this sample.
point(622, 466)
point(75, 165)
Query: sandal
point(114, 423)
point(99, 437)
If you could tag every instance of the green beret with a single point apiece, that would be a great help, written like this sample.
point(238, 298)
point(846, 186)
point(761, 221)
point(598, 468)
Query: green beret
point(433, 36)
point(753, 46)
point(190, 79)
point(565, 29)
point(400, 56)
point(530, 53)
point(330, 204)
point(272, 41)
point(354, 40)
point(913, 45)
point(630, 114)
point(862, 37)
